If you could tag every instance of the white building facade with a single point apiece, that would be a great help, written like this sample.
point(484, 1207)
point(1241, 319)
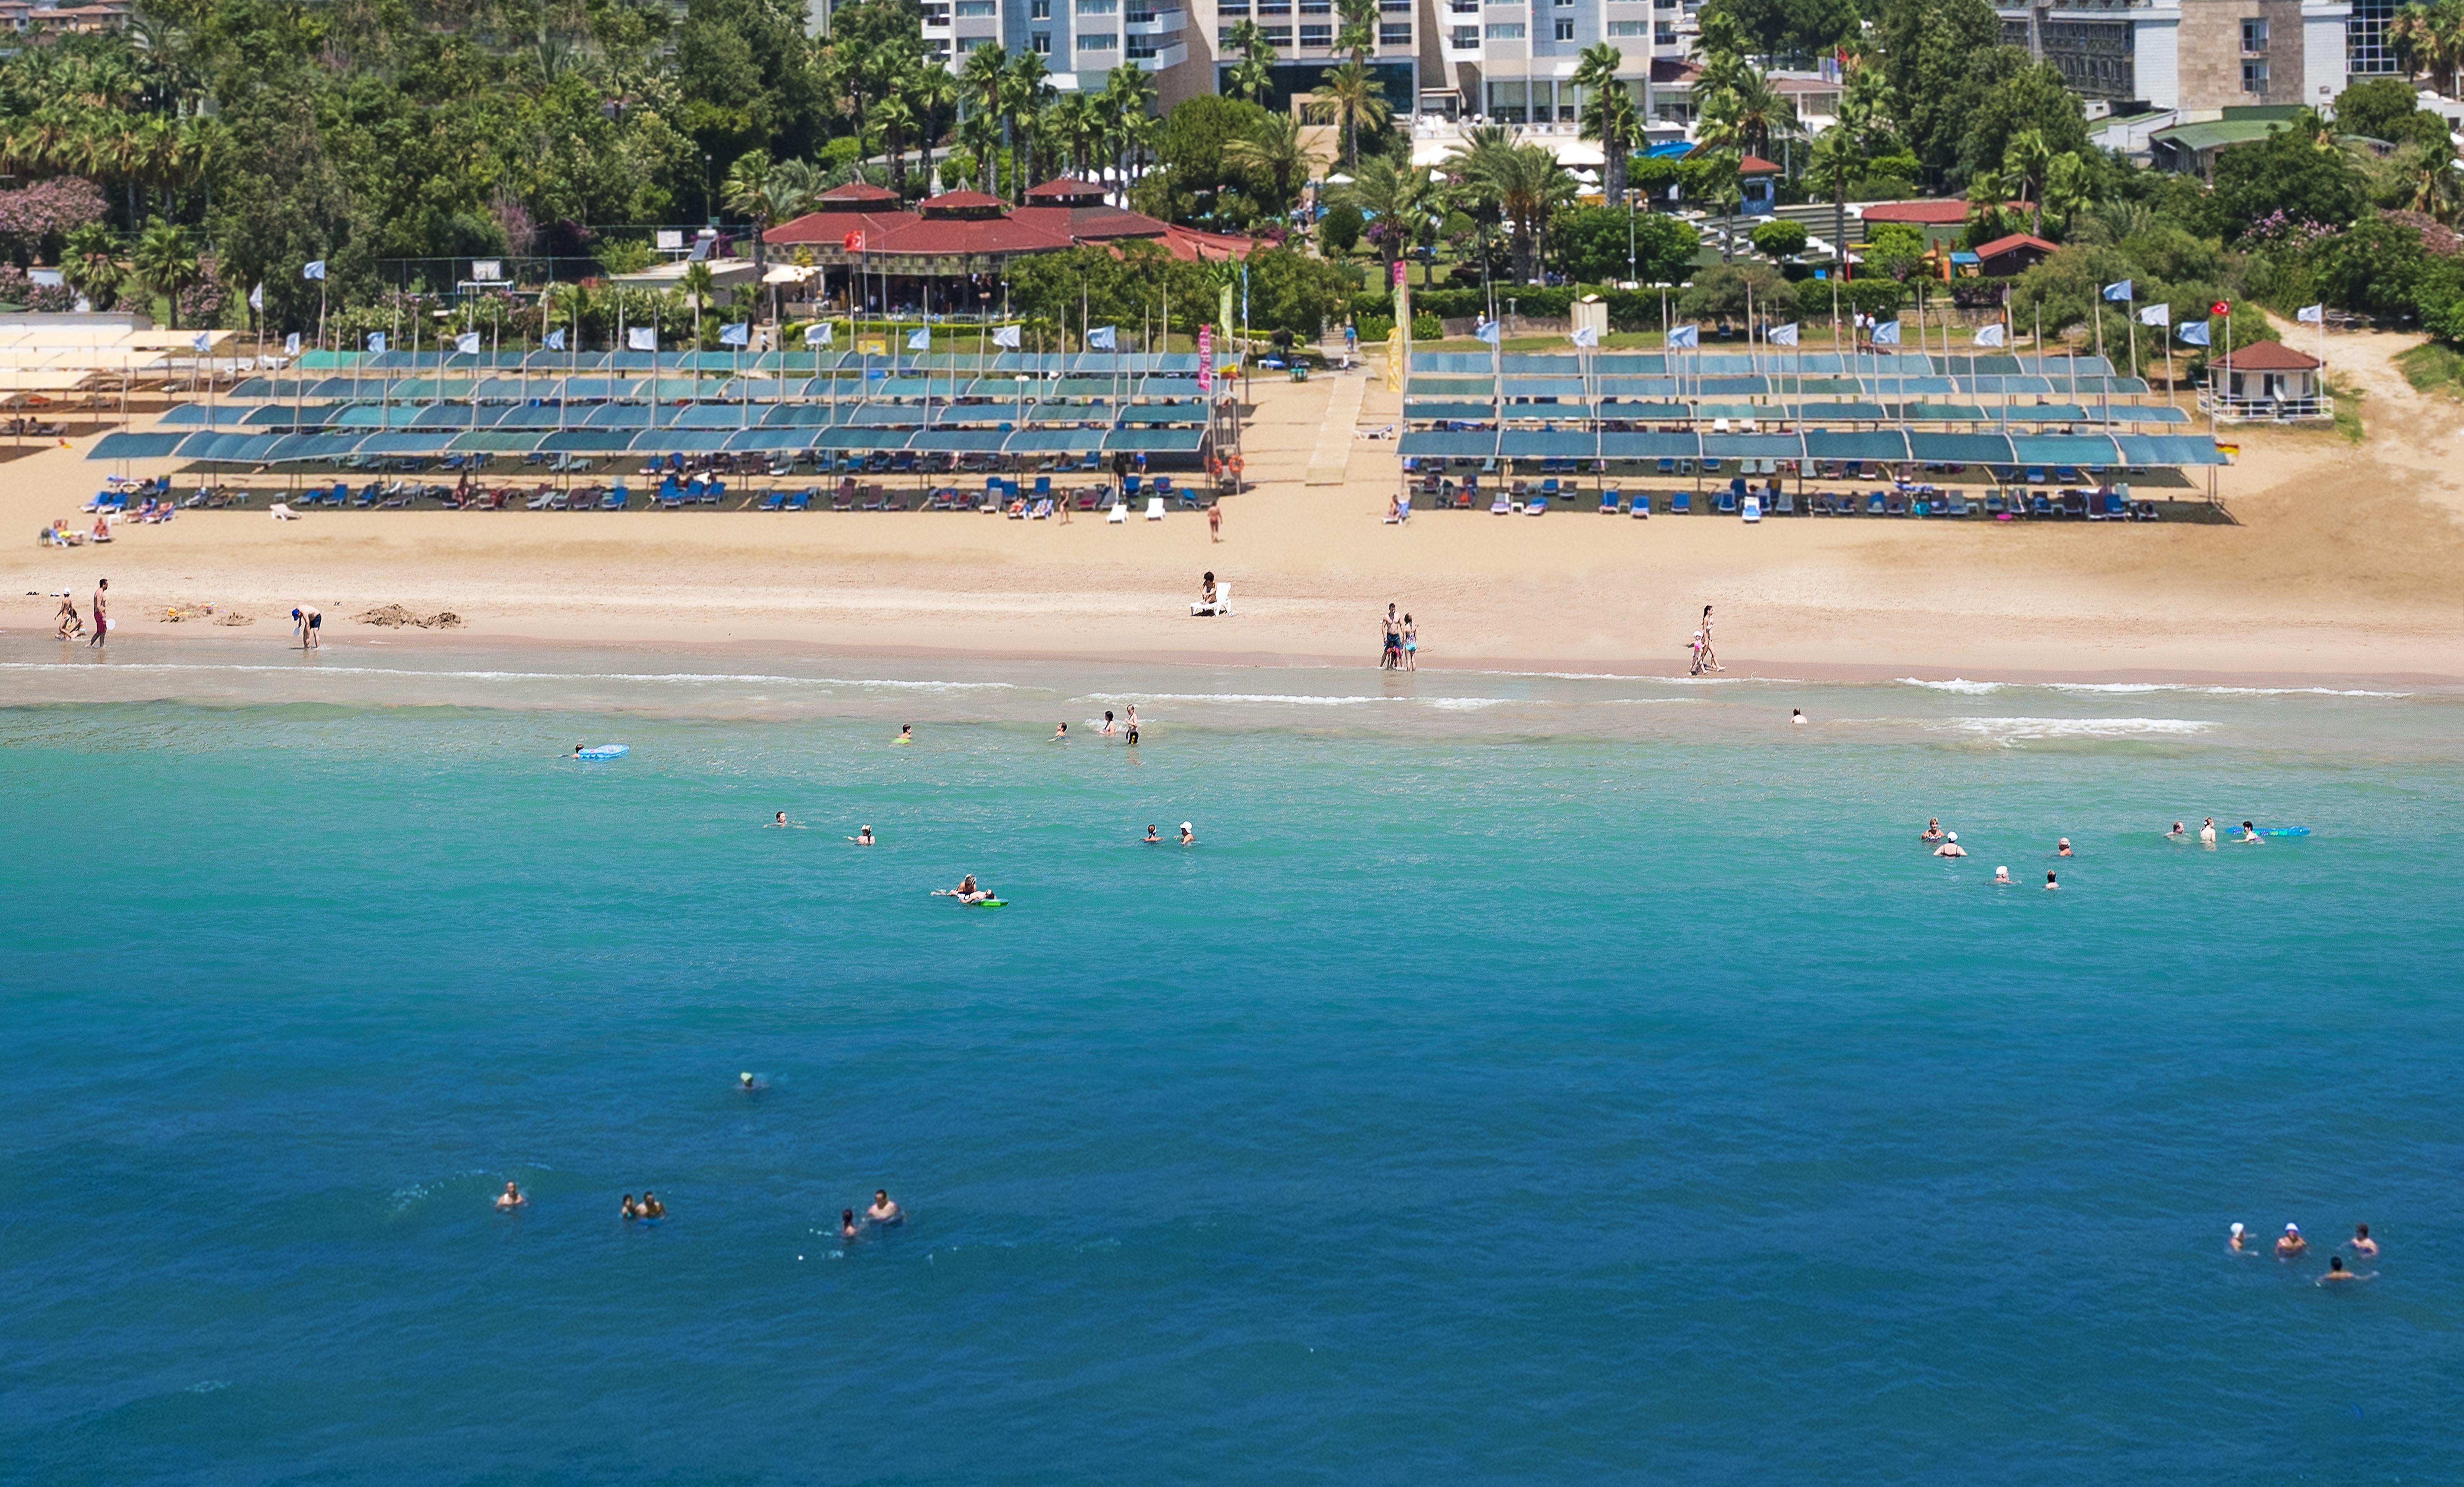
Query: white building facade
point(2195, 57)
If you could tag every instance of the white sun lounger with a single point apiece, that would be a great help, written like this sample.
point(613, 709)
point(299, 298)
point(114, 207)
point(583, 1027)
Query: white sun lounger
point(1119, 512)
point(1222, 604)
point(282, 511)
point(1155, 507)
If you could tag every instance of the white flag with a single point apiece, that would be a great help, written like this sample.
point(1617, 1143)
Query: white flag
point(291, 344)
point(1990, 335)
point(200, 341)
point(2311, 314)
point(314, 270)
point(256, 297)
point(376, 341)
point(1887, 334)
point(1782, 335)
point(555, 341)
point(1005, 337)
point(823, 334)
point(2194, 334)
point(1586, 336)
point(919, 339)
point(1100, 339)
point(467, 343)
point(1683, 335)
point(1488, 330)
point(642, 338)
point(2158, 314)
point(737, 335)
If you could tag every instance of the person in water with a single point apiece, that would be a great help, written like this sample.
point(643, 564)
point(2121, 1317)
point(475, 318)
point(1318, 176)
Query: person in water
point(651, 1207)
point(2208, 831)
point(1150, 833)
point(2363, 1243)
point(2062, 848)
point(1950, 846)
point(2249, 835)
point(2052, 885)
point(781, 820)
point(884, 1211)
point(631, 1209)
point(2002, 875)
point(906, 733)
point(1061, 733)
point(2290, 1245)
point(847, 1224)
point(2336, 1271)
point(1188, 835)
point(863, 836)
point(1932, 831)
point(2177, 833)
point(1107, 730)
point(511, 1199)
point(2234, 1243)
point(1129, 721)
point(744, 1080)
point(967, 892)
point(1796, 716)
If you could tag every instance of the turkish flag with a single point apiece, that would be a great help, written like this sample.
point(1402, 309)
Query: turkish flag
point(855, 242)
point(2220, 307)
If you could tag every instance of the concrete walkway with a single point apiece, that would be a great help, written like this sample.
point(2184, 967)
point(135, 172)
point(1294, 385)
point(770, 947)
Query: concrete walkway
point(1335, 436)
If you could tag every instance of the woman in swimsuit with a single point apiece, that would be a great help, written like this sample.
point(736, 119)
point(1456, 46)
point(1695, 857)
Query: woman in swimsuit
point(1932, 831)
point(1411, 645)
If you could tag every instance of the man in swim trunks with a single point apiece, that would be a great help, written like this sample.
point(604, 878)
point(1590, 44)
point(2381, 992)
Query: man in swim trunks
point(779, 820)
point(884, 1211)
point(2336, 1271)
point(511, 1199)
point(1129, 721)
point(1061, 733)
point(863, 836)
point(1391, 627)
point(2062, 848)
point(2363, 1243)
point(102, 619)
point(651, 1207)
point(1932, 831)
point(2291, 1245)
point(966, 892)
point(1150, 833)
point(1950, 846)
point(2177, 833)
point(2051, 885)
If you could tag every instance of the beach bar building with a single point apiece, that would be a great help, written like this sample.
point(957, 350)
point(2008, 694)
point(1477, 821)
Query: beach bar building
point(2266, 382)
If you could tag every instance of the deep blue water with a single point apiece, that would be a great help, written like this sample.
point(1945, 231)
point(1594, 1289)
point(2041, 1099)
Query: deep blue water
point(1538, 1079)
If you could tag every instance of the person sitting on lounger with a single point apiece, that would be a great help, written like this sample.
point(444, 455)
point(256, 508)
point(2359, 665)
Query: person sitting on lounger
point(1206, 589)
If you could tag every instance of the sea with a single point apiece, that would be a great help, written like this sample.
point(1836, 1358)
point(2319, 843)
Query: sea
point(1566, 1078)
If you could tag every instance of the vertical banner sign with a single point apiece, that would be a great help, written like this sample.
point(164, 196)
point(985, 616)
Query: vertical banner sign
point(1398, 343)
point(1206, 359)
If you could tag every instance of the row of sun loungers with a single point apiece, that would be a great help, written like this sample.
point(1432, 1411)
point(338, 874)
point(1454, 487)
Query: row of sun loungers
point(1528, 498)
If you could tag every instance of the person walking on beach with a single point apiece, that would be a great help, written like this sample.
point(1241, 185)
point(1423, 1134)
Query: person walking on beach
point(1215, 521)
point(1711, 661)
point(1411, 645)
point(1129, 721)
point(102, 619)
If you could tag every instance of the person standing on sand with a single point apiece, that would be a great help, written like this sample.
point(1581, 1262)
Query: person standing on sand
point(311, 627)
point(102, 619)
point(1391, 627)
point(1710, 662)
point(1215, 521)
point(1411, 645)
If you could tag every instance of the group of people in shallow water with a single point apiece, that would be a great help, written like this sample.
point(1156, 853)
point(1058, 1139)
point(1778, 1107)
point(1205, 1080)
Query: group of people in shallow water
point(2249, 836)
point(2291, 1246)
point(1945, 843)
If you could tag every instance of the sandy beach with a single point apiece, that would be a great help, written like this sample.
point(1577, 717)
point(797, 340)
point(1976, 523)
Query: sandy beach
point(2345, 562)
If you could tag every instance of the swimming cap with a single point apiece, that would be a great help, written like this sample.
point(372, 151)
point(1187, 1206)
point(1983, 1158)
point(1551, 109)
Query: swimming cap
point(1185, 826)
point(2237, 1228)
point(2292, 1228)
point(1954, 836)
point(747, 1077)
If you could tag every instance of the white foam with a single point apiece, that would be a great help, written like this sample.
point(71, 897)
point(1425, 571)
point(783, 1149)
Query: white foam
point(1302, 700)
point(2015, 729)
point(323, 669)
point(1959, 685)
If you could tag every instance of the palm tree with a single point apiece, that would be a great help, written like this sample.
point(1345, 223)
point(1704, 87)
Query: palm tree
point(1128, 95)
point(1024, 88)
point(165, 263)
point(2025, 159)
point(1400, 199)
point(931, 92)
point(1255, 73)
point(700, 288)
point(979, 84)
point(1358, 32)
point(1272, 158)
point(1747, 113)
point(1833, 166)
point(2069, 187)
point(747, 191)
point(2432, 40)
point(1076, 124)
point(1523, 183)
point(1989, 198)
point(90, 264)
point(1347, 95)
point(1610, 116)
point(895, 121)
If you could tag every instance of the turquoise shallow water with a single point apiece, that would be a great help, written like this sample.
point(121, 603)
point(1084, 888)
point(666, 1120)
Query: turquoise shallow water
point(1540, 1078)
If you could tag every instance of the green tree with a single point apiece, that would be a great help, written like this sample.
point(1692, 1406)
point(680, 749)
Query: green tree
point(2020, 101)
point(1348, 95)
point(165, 263)
point(1777, 240)
point(1609, 116)
point(2289, 172)
point(1523, 183)
point(1932, 51)
point(1255, 73)
point(1338, 231)
point(90, 264)
point(1831, 167)
point(2386, 108)
point(2431, 38)
point(1791, 28)
point(1591, 244)
point(1273, 161)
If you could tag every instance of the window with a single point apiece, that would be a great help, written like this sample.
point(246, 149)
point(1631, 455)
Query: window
point(1097, 7)
point(1140, 49)
point(1274, 6)
point(1278, 35)
point(2253, 76)
point(1039, 10)
point(1393, 34)
point(975, 9)
point(1565, 5)
point(1098, 41)
point(1463, 6)
point(1664, 34)
point(1395, 7)
point(2253, 35)
point(1232, 7)
point(1040, 42)
point(1565, 30)
point(936, 15)
point(1466, 39)
point(1317, 7)
point(1505, 30)
point(1629, 28)
point(1317, 36)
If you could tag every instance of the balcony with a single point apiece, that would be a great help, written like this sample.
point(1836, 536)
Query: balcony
point(1154, 58)
point(936, 17)
point(1144, 22)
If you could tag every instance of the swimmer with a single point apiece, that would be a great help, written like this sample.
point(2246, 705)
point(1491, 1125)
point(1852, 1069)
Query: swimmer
point(781, 820)
point(1796, 716)
point(631, 1210)
point(847, 1224)
point(651, 1207)
point(2336, 1271)
point(1950, 846)
point(2363, 1243)
point(1129, 722)
point(863, 836)
point(2208, 831)
point(2234, 1243)
point(1188, 837)
point(510, 1199)
point(884, 1211)
point(1107, 729)
point(2002, 875)
point(2051, 885)
point(2062, 848)
point(744, 1081)
point(2249, 835)
point(2177, 833)
point(1150, 833)
point(2291, 1245)
point(1932, 831)
point(966, 892)
point(906, 733)
point(1061, 733)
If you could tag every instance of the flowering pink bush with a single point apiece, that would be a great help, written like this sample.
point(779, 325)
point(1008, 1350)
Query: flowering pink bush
point(49, 208)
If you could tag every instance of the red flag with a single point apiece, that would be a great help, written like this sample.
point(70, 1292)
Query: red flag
point(2220, 308)
point(854, 242)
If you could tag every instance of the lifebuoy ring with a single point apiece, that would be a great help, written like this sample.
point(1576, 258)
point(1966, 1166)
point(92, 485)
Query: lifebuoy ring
point(1233, 464)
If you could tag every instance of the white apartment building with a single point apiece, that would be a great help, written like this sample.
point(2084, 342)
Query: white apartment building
point(1080, 40)
point(2196, 56)
point(1512, 61)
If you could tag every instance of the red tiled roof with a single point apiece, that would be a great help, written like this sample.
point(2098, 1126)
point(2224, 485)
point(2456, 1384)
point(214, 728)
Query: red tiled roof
point(2268, 356)
point(945, 235)
point(954, 204)
point(830, 229)
point(2014, 243)
point(1933, 213)
point(1089, 224)
point(1066, 188)
point(1192, 245)
point(1021, 230)
point(1669, 71)
point(1756, 166)
point(858, 193)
